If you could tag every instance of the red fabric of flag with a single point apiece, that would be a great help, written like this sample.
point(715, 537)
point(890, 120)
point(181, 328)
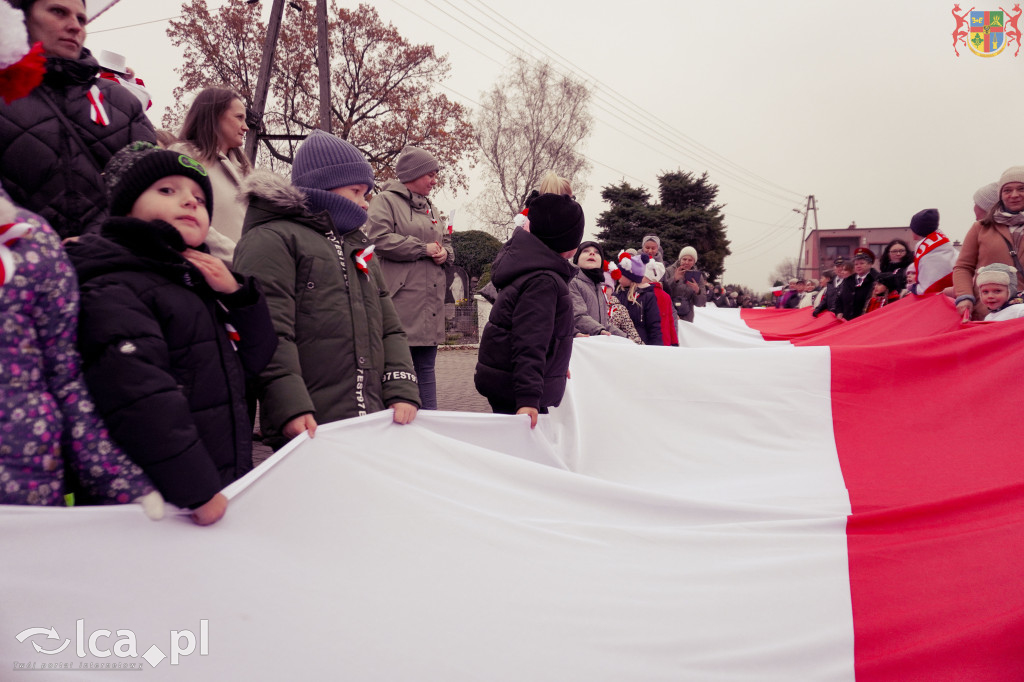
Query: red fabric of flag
point(933, 464)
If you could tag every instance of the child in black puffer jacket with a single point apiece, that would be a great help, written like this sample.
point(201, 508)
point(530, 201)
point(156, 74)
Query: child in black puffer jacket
point(167, 333)
point(526, 345)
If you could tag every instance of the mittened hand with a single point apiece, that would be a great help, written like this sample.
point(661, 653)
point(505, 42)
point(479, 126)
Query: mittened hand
point(152, 505)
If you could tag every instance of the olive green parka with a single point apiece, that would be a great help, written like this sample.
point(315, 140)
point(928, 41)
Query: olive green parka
point(341, 349)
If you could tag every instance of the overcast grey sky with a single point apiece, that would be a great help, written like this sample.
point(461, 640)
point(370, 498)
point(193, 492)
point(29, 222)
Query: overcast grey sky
point(862, 104)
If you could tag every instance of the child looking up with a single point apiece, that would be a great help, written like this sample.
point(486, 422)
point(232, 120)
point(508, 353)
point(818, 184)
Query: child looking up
point(167, 332)
point(527, 342)
point(342, 351)
point(588, 293)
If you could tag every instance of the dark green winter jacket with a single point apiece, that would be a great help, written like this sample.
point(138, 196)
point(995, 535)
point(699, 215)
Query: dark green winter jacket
point(341, 349)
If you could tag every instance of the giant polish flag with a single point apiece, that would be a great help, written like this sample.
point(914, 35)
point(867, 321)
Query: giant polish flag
point(745, 512)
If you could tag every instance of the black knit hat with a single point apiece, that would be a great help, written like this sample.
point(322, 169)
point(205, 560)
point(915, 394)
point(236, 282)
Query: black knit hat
point(925, 222)
point(132, 170)
point(888, 280)
point(583, 245)
point(557, 220)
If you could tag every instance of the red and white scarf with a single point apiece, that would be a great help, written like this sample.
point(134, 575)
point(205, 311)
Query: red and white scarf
point(9, 234)
point(97, 112)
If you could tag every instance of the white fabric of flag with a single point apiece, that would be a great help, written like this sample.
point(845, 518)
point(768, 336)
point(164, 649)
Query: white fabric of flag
point(611, 543)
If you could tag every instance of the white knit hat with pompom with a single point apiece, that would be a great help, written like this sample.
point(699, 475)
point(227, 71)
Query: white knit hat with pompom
point(13, 36)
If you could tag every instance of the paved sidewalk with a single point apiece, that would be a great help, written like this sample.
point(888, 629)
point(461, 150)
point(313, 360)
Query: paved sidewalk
point(455, 390)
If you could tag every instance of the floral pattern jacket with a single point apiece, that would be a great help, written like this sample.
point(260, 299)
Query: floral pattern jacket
point(48, 423)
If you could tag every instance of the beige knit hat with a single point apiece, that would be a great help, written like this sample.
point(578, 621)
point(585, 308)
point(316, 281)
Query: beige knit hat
point(986, 197)
point(1012, 174)
point(998, 273)
point(688, 251)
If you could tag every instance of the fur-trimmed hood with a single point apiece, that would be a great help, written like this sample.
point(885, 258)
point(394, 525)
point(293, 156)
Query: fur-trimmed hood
point(272, 197)
point(274, 189)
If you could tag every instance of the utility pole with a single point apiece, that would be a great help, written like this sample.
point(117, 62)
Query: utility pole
point(259, 105)
point(812, 205)
point(324, 64)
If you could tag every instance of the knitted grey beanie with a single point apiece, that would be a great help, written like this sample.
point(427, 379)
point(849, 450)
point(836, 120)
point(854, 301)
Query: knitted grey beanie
point(326, 162)
point(414, 163)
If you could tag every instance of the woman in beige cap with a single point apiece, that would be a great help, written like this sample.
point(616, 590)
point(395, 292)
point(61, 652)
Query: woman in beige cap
point(996, 238)
point(686, 284)
point(414, 246)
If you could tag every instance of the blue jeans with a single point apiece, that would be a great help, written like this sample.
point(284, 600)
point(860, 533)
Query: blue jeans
point(423, 359)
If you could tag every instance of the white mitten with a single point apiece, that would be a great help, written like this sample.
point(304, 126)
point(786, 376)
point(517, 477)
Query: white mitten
point(152, 505)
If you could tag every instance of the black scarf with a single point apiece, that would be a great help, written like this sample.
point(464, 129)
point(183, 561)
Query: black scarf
point(595, 275)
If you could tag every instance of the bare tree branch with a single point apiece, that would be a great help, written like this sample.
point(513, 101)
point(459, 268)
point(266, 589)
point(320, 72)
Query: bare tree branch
point(383, 88)
point(532, 121)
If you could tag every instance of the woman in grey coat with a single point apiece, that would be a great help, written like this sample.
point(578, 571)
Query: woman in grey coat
point(414, 246)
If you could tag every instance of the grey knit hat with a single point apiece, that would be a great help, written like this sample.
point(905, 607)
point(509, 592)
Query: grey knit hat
point(414, 163)
point(326, 162)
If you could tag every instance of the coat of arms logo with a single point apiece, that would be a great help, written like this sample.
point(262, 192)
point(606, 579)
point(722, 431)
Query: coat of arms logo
point(986, 32)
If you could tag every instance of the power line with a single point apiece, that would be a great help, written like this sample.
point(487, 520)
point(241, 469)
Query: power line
point(642, 112)
point(615, 111)
point(118, 28)
point(774, 238)
point(588, 158)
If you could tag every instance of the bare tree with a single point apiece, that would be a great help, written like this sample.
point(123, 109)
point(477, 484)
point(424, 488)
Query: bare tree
point(783, 272)
point(532, 121)
point(383, 88)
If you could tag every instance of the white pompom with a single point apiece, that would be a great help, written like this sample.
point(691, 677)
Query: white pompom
point(13, 36)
